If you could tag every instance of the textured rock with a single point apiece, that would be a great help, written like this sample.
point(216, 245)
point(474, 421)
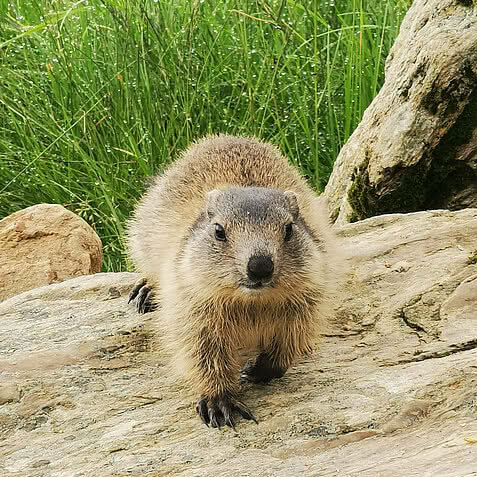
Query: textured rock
point(9, 393)
point(416, 147)
point(391, 388)
point(45, 244)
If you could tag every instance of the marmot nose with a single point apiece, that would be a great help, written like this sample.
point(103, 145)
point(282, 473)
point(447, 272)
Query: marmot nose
point(260, 267)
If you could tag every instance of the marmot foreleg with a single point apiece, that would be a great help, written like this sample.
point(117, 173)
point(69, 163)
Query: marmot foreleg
point(216, 369)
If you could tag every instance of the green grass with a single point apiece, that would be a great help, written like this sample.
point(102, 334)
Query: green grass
point(95, 96)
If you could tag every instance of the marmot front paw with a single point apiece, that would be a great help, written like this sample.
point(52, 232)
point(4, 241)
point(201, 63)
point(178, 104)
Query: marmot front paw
point(143, 295)
point(217, 411)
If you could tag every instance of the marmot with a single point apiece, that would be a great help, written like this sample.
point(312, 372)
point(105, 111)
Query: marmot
point(237, 254)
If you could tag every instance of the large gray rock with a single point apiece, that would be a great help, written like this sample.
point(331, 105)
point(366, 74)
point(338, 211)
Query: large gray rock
point(416, 147)
point(45, 244)
point(390, 392)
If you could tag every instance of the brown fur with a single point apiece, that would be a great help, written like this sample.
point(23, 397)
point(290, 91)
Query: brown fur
point(206, 319)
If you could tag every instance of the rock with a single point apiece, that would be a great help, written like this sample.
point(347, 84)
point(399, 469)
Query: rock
point(9, 393)
point(416, 146)
point(391, 388)
point(45, 244)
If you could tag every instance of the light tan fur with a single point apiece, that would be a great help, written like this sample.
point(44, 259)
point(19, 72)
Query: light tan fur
point(205, 319)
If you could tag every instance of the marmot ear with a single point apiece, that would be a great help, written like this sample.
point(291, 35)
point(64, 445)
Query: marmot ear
point(211, 202)
point(293, 203)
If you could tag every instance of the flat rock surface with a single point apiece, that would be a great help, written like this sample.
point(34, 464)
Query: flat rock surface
point(390, 392)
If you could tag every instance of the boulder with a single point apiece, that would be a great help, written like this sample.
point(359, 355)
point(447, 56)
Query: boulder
point(45, 244)
point(416, 146)
point(84, 389)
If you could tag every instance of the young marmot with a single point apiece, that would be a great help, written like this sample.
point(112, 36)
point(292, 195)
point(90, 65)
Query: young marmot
point(237, 255)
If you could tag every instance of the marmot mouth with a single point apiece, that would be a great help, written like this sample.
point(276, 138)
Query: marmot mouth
point(255, 285)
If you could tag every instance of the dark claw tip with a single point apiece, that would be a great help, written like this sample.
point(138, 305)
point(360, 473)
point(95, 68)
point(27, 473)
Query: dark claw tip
point(217, 411)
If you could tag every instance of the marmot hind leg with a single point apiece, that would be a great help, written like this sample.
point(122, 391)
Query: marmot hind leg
point(143, 296)
point(274, 359)
point(264, 369)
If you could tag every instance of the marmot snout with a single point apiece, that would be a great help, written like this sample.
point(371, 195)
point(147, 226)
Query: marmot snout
point(237, 251)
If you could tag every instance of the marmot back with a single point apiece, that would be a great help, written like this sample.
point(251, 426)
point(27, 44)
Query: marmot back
point(235, 247)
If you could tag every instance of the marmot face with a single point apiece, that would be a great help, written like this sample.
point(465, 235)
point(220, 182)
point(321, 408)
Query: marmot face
point(250, 243)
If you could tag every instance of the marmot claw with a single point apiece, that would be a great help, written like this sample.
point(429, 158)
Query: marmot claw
point(217, 411)
point(143, 296)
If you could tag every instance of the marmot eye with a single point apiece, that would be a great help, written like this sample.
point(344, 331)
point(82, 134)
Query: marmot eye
point(220, 233)
point(288, 232)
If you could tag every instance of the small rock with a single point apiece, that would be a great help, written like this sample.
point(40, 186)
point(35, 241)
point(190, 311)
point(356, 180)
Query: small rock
point(411, 412)
point(401, 266)
point(9, 393)
point(45, 244)
point(40, 463)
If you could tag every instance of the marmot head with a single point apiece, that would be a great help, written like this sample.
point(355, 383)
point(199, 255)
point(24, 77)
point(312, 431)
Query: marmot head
point(249, 243)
